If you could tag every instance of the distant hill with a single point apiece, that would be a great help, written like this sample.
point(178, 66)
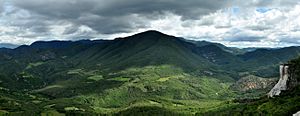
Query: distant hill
point(7, 45)
point(232, 50)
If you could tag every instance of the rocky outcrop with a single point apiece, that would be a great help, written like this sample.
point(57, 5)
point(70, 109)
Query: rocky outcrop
point(252, 82)
point(286, 81)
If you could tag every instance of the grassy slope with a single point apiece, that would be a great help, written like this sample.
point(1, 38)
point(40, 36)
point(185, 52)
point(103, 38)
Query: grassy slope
point(163, 86)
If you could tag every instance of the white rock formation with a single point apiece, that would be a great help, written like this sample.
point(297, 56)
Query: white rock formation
point(297, 114)
point(282, 83)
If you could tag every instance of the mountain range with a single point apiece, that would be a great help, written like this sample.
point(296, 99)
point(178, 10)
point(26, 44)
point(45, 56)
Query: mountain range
point(7, 45)
point(146, 69)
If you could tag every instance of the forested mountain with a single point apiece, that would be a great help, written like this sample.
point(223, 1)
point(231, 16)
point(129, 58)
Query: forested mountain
point(112, 76)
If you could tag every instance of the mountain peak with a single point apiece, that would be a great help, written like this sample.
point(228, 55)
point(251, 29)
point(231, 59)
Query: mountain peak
point(150, 34)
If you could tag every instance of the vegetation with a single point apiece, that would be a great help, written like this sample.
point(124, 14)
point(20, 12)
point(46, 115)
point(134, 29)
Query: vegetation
point(146, 74)
point(284, 105)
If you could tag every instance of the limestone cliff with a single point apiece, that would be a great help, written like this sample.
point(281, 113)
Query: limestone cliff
point(286, 80)
point(297, 114)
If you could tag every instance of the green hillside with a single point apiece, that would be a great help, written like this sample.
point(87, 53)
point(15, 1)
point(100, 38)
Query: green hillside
point(145, 72)
point(284, 105)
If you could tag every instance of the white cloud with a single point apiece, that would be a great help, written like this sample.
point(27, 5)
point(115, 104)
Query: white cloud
point(246, 27)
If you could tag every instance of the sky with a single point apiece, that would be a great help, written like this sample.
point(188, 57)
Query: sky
point(235, 23)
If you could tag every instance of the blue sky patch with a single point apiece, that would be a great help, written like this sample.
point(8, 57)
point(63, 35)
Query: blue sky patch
point(263, 9)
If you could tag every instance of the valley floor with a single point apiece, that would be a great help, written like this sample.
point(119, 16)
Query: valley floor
point(153, 89)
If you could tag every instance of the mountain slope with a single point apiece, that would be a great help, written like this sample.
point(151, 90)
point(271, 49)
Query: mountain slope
point(286, 104)
point(150, 68)
point(231, 50)
point(264, 62)
point(149, 48)
point(109, 76)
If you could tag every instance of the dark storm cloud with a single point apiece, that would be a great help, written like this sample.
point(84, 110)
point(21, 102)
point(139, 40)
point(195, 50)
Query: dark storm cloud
point(36, 25)
point(228, 20)
point(115, 16)
point(113, 24)
point(74, 8)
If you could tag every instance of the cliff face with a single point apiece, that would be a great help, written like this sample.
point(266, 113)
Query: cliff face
point(252, 82)
point(286, 81)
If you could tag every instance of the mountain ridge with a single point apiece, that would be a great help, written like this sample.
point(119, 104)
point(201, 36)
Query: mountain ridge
point(8, 45)
point(157, 43)
point(147, 69)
